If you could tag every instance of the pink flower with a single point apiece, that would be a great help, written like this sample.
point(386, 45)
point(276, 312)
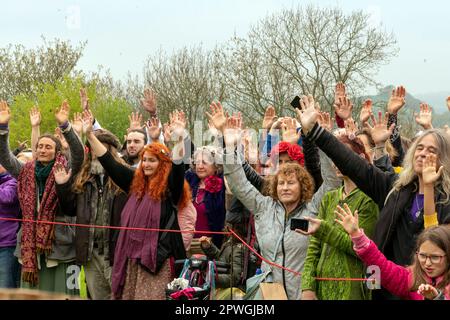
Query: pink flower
point(213, 184)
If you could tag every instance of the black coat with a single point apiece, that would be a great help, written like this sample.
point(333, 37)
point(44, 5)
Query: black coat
point(394, 227)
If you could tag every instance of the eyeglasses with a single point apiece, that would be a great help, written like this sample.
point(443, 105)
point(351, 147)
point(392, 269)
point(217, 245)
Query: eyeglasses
point(435, 259)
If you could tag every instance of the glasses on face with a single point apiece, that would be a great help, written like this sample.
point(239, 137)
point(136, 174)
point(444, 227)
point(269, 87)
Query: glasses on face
point(434, 258)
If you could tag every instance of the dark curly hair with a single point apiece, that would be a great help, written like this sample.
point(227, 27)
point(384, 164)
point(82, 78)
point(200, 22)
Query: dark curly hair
point(304, 178)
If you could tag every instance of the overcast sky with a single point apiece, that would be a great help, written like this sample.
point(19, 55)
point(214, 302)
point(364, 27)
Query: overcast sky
point(121, 34)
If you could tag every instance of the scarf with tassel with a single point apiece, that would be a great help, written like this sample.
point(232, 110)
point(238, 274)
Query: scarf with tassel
point(37, 238)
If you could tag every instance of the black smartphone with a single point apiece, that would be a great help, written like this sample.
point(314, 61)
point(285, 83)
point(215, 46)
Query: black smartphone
point(301, 224)
point(296, 103)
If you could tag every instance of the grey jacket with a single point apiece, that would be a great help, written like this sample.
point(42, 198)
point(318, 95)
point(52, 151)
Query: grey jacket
point(63, 248)
point(278, 243)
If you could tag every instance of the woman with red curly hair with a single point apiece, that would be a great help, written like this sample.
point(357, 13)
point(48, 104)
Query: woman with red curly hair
point(141, 268)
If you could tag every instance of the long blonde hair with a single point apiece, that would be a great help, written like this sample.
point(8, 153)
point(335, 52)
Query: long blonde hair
point(408, 175)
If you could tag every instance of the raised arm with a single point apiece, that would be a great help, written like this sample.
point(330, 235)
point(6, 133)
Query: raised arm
point(233, 171)
point(429, 177)
point(394, 278)
point(395, 104)
point(372, 181)
point(35, 120)
point(75, 145)
point(118, 172)
point(7, 159)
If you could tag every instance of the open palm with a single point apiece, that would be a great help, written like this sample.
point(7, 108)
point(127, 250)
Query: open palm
point(429, 173)
point(61, 175)
point(5, 113)
point(217, 116)
point(309, 114)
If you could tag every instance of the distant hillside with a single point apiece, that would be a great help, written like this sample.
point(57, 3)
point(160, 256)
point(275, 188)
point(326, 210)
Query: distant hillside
point(441, 115)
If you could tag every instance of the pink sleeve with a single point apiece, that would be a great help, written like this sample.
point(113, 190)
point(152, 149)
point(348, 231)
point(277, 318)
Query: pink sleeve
point(394, 278)
point(187, 217)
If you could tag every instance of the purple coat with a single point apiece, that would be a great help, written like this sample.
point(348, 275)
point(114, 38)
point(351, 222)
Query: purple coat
point(9, 208)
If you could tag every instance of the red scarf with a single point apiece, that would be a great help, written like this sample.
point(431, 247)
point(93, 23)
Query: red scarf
point(37, 238)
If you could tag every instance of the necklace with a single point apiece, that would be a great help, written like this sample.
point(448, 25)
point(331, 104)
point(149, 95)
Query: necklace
point(419, 210)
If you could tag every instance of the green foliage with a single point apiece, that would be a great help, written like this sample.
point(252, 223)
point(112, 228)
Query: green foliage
point(109, 109)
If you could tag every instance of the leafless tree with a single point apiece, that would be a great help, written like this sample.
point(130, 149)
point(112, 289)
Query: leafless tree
point(304, 50)
point(186, 80)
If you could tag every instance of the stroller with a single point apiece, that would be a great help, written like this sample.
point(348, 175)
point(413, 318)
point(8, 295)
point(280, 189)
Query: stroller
point(197, 278)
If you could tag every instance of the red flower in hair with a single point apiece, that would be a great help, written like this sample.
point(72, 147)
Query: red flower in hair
point(294, 151)
point(213, 184)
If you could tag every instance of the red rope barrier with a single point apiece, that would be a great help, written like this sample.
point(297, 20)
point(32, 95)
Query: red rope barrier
point(182, 231)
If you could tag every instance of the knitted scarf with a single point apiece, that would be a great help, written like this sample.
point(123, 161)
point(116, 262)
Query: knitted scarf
point(37, 238)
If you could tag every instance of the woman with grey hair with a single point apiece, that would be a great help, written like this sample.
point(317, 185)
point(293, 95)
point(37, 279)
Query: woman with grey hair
point(208, 192)
point(399, 197)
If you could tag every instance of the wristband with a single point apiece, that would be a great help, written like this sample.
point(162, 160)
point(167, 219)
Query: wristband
point(64, 125)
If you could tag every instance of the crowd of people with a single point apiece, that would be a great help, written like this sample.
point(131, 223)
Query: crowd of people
point(371, 200)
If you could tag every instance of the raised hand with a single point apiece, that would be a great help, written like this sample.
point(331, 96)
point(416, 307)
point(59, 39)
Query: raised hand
point(87, 119)
point(339, 92)
point(233, 131)
point(217, 116)
point(424, 118)
point(325, 121)
point(350, 128)
point(60, 173)
point(347, 220)
point(62, 113)
point(366, 112)
point(397, 100)
point(5, 112)
point(308, 115)
point(379, 131)
point(429, 173)
point(149, 101)
point(428, 291)
point(22, 145)
point(84, 99)
point(313, 226)
point(77, 123)
point(135, 121)
point(269, 118)
point(177, 123)
point(343, 108)
point(167, 133)
point(60, 136)
point(154, 130)
point(35, 117)
point(289, 131)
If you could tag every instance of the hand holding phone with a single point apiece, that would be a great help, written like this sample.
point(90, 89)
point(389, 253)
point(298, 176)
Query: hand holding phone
point(301, 224)
point(296, 103)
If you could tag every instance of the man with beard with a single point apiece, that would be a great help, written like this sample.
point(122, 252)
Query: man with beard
point(97, 201)
point(135, 141)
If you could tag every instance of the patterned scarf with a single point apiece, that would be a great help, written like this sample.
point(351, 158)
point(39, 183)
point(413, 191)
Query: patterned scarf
point(37, 238)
